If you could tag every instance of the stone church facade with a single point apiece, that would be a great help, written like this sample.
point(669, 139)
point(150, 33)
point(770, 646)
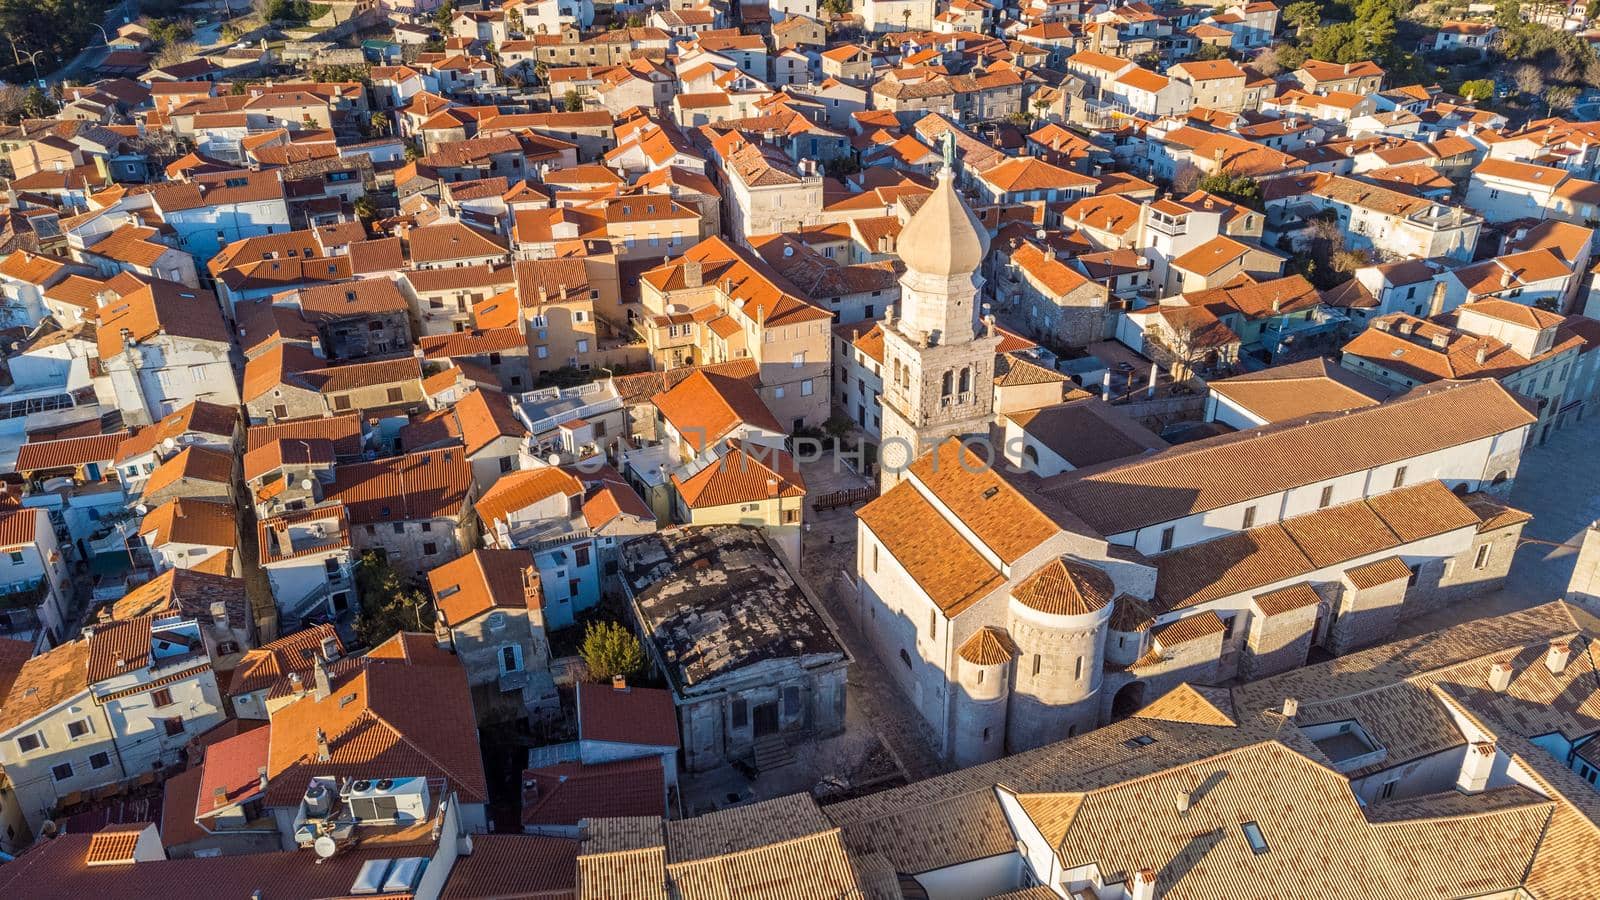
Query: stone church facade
point(1015, 610)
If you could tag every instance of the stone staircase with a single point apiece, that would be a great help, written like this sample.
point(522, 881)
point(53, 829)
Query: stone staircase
point(771, 752)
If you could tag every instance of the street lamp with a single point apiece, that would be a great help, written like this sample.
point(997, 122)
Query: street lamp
point(33, 57)
point(104, 37)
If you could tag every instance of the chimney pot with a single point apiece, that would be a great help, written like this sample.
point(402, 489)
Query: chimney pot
point(1291, 707)
point(1476, 767)
point(1499, 677)
point(1557, 657)
point(1143, 885)
point(619, 682)
point(323, 752)
point(1483, 354)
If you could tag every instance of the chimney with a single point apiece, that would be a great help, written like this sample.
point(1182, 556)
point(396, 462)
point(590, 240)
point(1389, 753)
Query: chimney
point(772, 487)
point(219, 614)
point(1483, 353)
point(1441, 340)
point(323, 753)
point(1475, 768)
point(1347, 68)
point(330, 648)
point(1184, 800)
point(1499, 677)
point(1584, 586)
point(619, 682)
point(1143, 885)
point(219, 797)
point(1291, 707)
point(1506, 277)
point(530, 588)
point(1557, 657)
point(296, 684)
point(692, 273)
point(319, 672)
point(261, 778)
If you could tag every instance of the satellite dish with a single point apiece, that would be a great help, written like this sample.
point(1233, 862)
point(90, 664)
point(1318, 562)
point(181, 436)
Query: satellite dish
point(141, 509)
point(168, 443)
point(305, 484)
point(553, 459)
point(325, 846)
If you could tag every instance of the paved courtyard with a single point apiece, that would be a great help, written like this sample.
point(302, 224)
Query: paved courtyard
point(1559, 484)
point(830, 548)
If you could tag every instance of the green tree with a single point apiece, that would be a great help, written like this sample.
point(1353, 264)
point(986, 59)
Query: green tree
point(1508, 13)
point(609, 648)
point(443, 15)
point(389, 604)
point(1341, 42)
point(573, 102)
point(1303, 15)
point(366, 208)
point(1478, 89)
point(1209, 51)
point(1241, 189)
point(37, 104)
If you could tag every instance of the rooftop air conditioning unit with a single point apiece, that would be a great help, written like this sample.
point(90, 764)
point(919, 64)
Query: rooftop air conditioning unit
point(399, 800)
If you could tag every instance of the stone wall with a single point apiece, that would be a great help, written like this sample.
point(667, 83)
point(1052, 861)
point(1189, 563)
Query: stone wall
point(1366, 615)
point(1277, 643)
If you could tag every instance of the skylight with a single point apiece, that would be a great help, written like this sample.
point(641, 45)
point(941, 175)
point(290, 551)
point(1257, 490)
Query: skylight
point(1258, 841)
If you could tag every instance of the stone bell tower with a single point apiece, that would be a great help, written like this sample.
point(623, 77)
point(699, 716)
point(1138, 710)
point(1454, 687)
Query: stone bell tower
point(938, 354)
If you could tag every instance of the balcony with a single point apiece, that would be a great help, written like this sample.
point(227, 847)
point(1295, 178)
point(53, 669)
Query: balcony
point(1439, 217)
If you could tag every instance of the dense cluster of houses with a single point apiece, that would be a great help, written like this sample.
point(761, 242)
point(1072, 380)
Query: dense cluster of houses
point(1159, 376)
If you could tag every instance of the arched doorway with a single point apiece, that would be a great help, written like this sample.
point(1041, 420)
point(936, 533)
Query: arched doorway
point(1129, 700)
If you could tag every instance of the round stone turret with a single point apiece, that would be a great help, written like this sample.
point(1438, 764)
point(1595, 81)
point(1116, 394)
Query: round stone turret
point(1058, 620)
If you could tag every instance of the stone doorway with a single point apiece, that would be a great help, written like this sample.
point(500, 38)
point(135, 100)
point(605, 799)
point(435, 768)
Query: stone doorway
point(766, 719)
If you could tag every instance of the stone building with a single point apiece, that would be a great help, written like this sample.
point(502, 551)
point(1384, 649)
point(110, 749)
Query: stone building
point(1018, 603)
point(753, 667)
point(491, 613)
point(938, 358)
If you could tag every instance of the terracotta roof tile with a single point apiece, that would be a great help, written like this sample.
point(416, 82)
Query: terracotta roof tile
point(522, 488)
point(182, 520)
point(933, 553)
point(1207, 475)
point(69, 452)
point(988, 646)
point(1286, 599)
point(482, 580)
point(744, 473)
point(119, 648)
point(429, 484)
point(1066, 588)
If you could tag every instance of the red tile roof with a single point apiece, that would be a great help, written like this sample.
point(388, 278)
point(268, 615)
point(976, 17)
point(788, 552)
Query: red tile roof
point(382, 717)
point(745, 473)
point(631, 715)
point(231, 771)
point(430, 484)
point(69, 452)
point(119, 648)
point(567, 793)
point(705, 408)
point(470, 586)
